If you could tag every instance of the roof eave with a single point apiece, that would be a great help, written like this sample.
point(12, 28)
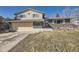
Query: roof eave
point(28, 9)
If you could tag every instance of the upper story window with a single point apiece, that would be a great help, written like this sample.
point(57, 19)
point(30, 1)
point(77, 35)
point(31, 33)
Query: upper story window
point(35, 15)
point(22, 16)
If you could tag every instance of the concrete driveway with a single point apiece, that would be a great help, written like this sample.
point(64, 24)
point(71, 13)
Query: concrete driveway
point(9, 40)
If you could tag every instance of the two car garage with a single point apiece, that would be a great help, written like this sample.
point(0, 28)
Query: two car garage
point(22, 25)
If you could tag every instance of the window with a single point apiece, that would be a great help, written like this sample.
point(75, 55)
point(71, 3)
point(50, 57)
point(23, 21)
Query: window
point(50, 20)
point(22, 16)
point(35, 15)
point(67, 20)
point(37, 23)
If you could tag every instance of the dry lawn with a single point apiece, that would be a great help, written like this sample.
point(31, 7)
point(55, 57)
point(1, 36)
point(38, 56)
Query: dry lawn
point(52, 41)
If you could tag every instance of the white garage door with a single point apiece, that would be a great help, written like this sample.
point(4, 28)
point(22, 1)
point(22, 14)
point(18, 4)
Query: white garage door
point(25, 29)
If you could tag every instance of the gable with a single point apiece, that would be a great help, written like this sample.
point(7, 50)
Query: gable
point(29, 9)
point(29, 12)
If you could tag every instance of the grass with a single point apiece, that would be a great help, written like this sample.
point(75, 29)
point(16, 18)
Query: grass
point(52, 41)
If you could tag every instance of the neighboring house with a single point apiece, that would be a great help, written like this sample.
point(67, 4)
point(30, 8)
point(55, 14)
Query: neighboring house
point(59, 20)
point(1, 19)
point(4, 26)
point(28, 19)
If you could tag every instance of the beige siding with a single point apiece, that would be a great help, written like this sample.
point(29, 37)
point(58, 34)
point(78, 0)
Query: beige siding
point(25, 29)
point(29, 15)
point(22, 24)
point(18, 25)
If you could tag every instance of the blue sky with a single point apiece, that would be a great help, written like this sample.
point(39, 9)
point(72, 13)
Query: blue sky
point(9, 11)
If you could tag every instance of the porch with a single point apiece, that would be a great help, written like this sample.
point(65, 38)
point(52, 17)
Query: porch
point(58, 20)
point(38, 24)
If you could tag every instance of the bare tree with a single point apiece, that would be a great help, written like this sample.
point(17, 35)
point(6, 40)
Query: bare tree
point(76, 14)
point(67, 12)
point(57, 15)
point(76, 11)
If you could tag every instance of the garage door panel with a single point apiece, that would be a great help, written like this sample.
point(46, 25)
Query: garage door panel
point(25, 29)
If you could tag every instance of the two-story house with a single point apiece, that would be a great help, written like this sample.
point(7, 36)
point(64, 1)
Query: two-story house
point(28, 19)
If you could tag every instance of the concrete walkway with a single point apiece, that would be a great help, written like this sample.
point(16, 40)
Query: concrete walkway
point(36, 30)
point(9, 43)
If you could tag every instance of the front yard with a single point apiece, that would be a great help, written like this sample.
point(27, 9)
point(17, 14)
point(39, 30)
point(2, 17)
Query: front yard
point(50, 41)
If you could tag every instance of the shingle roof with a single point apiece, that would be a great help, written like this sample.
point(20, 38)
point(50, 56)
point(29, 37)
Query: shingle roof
point(58, 18)
point(31, 20)
point(28, 10)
